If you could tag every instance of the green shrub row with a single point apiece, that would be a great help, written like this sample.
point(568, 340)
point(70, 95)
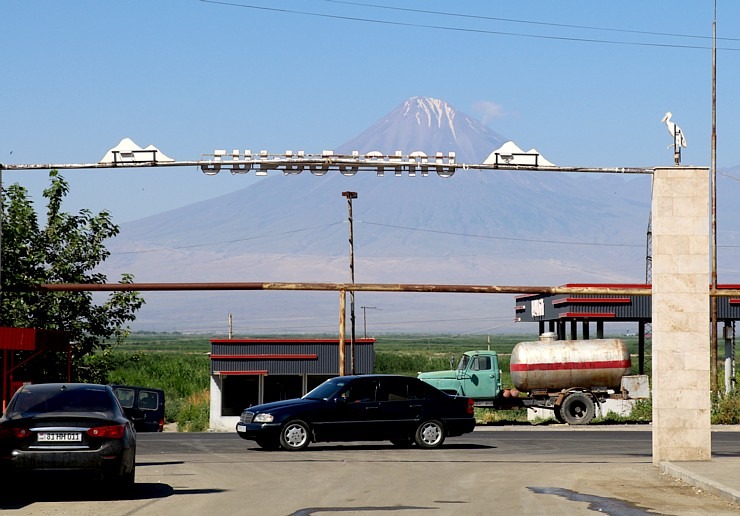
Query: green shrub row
point(184, 376)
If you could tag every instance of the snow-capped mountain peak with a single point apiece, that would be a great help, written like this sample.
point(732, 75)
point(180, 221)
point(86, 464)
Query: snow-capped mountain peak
point(429, 125)
point(430, 112)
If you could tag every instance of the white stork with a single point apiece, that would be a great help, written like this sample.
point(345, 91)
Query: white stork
point(674, 130)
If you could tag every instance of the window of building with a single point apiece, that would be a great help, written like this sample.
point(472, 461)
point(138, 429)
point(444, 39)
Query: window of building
point(238, 392)
point(283, 387)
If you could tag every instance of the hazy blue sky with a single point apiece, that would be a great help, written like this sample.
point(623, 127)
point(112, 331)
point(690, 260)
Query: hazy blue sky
point(586, 83)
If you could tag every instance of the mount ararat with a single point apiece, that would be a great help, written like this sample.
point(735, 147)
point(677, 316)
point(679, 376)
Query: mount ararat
point(476, 227)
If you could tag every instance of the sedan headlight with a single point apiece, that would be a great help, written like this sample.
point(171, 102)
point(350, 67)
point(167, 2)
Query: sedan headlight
point(263, 418)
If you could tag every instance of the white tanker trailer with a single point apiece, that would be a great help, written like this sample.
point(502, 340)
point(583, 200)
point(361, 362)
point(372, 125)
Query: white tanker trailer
point(569, 377)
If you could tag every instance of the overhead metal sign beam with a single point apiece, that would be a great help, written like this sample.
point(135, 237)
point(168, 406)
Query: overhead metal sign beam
point(359, 287)
point(289, 163)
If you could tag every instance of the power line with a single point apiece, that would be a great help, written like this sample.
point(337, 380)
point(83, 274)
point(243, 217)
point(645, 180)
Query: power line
point(393, 226)
point(491, 237)
point(528, 22)
point(330, 326)
point(271, 235)
point(456, 29)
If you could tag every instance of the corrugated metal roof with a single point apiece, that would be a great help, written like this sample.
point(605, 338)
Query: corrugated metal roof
point(288, 356)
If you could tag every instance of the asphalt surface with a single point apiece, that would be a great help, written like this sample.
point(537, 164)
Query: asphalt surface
point(720, 476)
point(495, 470)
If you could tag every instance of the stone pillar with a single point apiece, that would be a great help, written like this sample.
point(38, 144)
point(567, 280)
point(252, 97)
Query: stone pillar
point(215, 409)
point(680, 318)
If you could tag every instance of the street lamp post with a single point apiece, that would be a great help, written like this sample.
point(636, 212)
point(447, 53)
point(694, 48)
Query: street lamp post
point(350, 196)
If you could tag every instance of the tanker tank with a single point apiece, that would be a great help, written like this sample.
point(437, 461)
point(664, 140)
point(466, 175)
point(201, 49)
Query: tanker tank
point(562, 364)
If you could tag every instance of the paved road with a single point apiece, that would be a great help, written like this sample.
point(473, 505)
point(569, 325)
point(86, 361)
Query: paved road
point(486, 472)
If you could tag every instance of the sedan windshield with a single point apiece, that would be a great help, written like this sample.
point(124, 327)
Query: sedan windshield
point(326, 390)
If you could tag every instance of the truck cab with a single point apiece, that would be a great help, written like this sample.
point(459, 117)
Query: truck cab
point(477, 376)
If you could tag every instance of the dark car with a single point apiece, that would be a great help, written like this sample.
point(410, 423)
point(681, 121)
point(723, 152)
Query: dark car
point(401, 409)
point(142, 405)
point(66, 427)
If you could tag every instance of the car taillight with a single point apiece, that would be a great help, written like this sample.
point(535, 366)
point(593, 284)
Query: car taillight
point(107, 432)
point(471, 409)
point(17, 433)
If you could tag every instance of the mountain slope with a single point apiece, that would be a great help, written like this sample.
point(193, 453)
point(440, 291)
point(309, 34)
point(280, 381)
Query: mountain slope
point(477, 227)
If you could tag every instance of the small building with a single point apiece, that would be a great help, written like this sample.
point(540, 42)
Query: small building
point(20, 346)
point(555, 312)
point(247, 372)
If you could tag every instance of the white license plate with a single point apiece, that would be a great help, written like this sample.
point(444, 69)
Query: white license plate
point(241, 427)
point(59, 437)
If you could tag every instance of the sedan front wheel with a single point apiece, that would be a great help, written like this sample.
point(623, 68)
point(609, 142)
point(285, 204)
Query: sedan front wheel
point(295, 435)
point(430, 434)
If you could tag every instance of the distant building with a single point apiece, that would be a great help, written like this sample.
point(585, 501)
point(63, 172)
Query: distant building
point(247, 372)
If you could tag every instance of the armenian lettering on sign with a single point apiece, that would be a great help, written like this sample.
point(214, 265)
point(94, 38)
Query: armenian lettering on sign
point(538, 308)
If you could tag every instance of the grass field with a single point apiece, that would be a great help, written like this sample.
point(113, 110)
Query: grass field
point(180, 365)
point(445, 344)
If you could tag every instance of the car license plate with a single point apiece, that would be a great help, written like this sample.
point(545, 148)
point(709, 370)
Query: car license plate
point(241, 427)
point(59, 437)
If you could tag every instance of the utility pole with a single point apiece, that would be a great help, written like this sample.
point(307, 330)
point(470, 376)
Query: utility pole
point(364, 318)
point(714, 381)
point(350, 196)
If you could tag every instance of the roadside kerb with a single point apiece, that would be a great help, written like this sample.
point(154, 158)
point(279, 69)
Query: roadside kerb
point(700, 481)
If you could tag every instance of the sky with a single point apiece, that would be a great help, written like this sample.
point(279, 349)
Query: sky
point(586, 83)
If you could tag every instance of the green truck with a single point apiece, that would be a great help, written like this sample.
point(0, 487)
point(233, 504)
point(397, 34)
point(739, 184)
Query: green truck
point(569, 378)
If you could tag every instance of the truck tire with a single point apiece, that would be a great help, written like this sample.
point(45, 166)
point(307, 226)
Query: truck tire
point(578, 409)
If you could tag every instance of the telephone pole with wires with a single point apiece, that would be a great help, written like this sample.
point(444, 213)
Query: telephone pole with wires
point(350, 196)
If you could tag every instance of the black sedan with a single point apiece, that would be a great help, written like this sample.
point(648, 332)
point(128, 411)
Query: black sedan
point(401, 409)
point(68, 427)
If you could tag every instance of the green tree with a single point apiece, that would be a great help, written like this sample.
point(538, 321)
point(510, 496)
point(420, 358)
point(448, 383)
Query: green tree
point(67, 250)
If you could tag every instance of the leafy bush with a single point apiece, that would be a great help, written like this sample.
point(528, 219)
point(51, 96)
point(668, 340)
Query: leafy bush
point(194, 414)
point(487, 416)
point(726, 408)
point(180, 375)
point(642, 411)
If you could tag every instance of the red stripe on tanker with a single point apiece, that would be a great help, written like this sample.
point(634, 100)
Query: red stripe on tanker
point(619, 364)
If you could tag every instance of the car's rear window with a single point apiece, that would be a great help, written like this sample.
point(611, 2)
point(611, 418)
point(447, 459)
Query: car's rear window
point(70, 400)
point(126, 396)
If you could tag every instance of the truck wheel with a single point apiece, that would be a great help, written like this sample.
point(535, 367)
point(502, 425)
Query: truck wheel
point(295, 435)
point(430, 434)
point(578, 409)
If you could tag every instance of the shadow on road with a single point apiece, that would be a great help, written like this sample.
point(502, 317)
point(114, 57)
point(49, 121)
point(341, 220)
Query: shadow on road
point(379, 447)
point(24, 494)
